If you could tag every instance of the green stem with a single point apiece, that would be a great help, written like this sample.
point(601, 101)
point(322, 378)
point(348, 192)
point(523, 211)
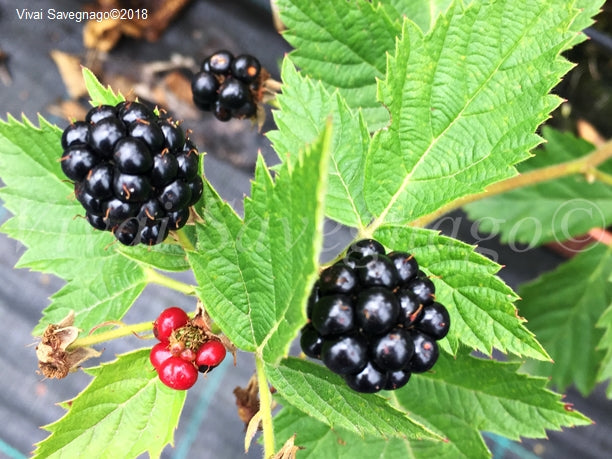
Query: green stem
point(265, 408)
point(584, 165)
point(120, 332)
point(184, 241)
point(156, 278)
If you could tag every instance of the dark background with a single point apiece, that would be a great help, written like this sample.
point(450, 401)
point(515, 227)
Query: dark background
point(209, 426)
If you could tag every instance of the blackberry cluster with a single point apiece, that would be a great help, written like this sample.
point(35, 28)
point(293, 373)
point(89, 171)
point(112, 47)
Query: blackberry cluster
point(228, 85)
point(134, 173)
point(373, 318)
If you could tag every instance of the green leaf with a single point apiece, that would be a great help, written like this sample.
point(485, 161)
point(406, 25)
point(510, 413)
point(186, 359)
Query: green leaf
point(422, 12)
point(107, 419)
point(464, 100)
point(324, 396)
point(562, 308)
point(98, 94)
point(318, 440)
point(254, 275)
point(306, 106)
point(460, 399)
point(481, 307)
point(102, 284)
point(556, 210)
point(343, 44)
point(167, 257)
point(605, 369)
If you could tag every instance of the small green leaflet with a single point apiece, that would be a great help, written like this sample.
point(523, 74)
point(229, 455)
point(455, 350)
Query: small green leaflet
point(97, 93)
point(422, 12)
point(459, 399)
point(480, 304)
point(556, 210)
point(562, 307)
point(305, 108)
point(254, 274)
point(323, 395)
point(107, 419)
point(464, 114)
point(343, 44)
point(605, 369)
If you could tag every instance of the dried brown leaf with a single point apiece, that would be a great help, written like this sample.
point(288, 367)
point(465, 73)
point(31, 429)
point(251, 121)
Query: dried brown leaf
point(69, 67)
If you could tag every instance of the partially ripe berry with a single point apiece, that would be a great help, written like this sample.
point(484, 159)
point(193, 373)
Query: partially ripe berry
point(210, 355)
point(177, 374)
point(159, 354)
point(169, 320)
point(188, 355)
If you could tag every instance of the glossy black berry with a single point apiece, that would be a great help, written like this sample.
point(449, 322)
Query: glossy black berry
point(129, 112)
point(338, 278)
point(128, 232)
point(345, 355)
point(100, 112)
point(219, 63)
point(132, 156)
point(117, 211)
point(96, 221)
point(149, 132)
point(405, 265)
point(312, 299)
point(164, 170)
point(196, 188)
point(154, 233)
point(77, 161)
point(204, 87)
point(175, 195)
point(376, 270)
point(91, 205)
point(311, 342)
point(367, 381)
point(333, 315)
point(392, 351)
point(75, 134)
point(423, 289)
point(151, 210)
point(99, 181)
point(376, 310)
point(233, 94)
point(174, 137)
point(397, 379)
point(246, 68)
point(131, 188)
point(411, 310)
point(176, 220)
point(104, 135)
point(188, 162)
point(425, 352)
point(221, 112)
point(364, 247)
point(435, 321)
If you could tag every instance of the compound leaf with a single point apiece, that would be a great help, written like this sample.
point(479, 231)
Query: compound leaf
point(555, 210)
point(107, 419)
point(305, 108)
point(481, 306)
point(343, 44)
point(323, 395)
point(254, 274)
point(562, 309)
point(464, 100)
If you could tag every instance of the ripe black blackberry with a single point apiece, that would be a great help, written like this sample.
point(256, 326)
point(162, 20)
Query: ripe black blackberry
point(373, 318)
point(229, 86)
point(134, 173)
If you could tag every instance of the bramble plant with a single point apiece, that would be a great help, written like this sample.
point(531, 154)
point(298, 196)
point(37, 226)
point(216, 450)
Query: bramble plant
point(400, 112)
